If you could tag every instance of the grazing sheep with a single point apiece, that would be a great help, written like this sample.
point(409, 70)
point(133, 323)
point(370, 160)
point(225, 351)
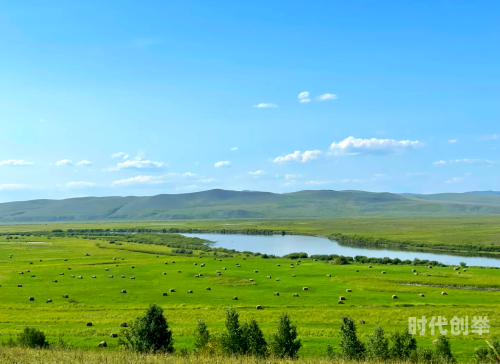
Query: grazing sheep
point(341, 298)
point(190, 291)
point(258, 307)
point(133, 267)
point(124, 291)
point(123, 258)
point(166, 263)
point(165, 294)
point(31, 262)
point(315, 260)
point(219, 274)
point(195, 264)
point(49, 300)
point(348, 290)
point(459, 273)
point(103, 344)
point(465, 270)
point(94, 277)
point(27, 271)
point(295, 295)
point(171, 290)
point(123, 324)
point(31, 298)
point(89, 324)
point(65, 296)
point(328, 275)
point(21, 272)
point(196, 276)
point(208, 289)
point(87, 254)
point(201, 275)
point(173, 262)
point(235, 298)
point(276, 293)
point(292, 266)
point(114, 258)
point(456, 268)
point(394, 297)
point(217, 271)
point(362, 322)
point(305, 288)
point(113, 335)
point(421, 295)
point(179, 271)
point(277, 279)
point(444, 293)
point(69, 268)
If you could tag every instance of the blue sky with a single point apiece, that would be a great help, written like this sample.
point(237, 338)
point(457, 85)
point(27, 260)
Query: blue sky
point(264, 95)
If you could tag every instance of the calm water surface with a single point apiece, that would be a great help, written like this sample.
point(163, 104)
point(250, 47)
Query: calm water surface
point(282, 245)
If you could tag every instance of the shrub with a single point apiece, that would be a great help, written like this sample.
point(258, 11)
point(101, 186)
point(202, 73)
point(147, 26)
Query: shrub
point(284, 342)
point(149, 333)
point(443, 350)
point(485, 354)
point(202, 337)
point(351, 347)
point(377, 346)
point(401, 345)
point(329, 353)
point(232, 341)
point(32, 338)
point(255, 342)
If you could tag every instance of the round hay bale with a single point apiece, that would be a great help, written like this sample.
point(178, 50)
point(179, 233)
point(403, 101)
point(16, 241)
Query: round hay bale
point(293, 275)
point(195, 263)
point(202, 265)
point(110, 276)
point(459, 273)
point(133, 267)
point(341, 298)
point(164, 273)
point(256, 271)
point(69, 268)
point(268, 277)
point(80, 277)
point(179, 271)
point(278, 265)
point(61, 274)
point(413, 270)
point(444, 293)
point(190, 291)
point(113, 335)
point(173, 262)
point(394, 297)
point(123, 324)
point(65, 296)
point(415, 274)
point(103, 344)
point(235, 298)
point(32, 276)
point(362, 322)
point(258, 307)
point(21, 272)
point(348, 290)
point(357, 271)
point(370, 266)
point(223, 268)
point(165, 294)
point(132, 277)
point(94, 277)
point(89, 324)
point(72, 276)
point(277, 279)
point(276, 293)
point(171, 290)
point(305, 288)
point(430, 267)
point(122, 276)
point(114, 258)
point(31, 298)
point(421, 295)
point(465, 270)
point(19, 285)
point(55, 281)
point(208, 289)
point(383, 272)
point(329, 275)
point(123, 291)
point(106, 269)
point(49, 300)
point(295, 295)
point(251, 279)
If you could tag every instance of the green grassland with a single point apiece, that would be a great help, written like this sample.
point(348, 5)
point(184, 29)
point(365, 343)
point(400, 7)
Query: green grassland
point(316, 312)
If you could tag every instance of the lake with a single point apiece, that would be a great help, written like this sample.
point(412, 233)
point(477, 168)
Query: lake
point(282, 245)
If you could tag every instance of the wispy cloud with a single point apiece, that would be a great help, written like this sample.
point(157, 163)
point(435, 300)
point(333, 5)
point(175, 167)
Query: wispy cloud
point(292, 176)
point(138, 180)
point(452, 141)
point(416, 174)
point(80, 184)
point(233, 149)
point(64, 162)
point(222, 164)
point(18, 162)
point(325, 97)
point(84, 163)
point(258, 173)
point(349, 180)
point(139, 164)
point(265, 105)
point(468, 161)
point(455, 180)
point(304, 97)
point(298, 156)
point(12, 186)
point(319, 183)
point(373, 146)
point(120, 155)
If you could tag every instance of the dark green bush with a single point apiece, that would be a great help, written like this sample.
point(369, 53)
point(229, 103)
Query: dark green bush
point(32, 338)
point(284, 343)
point(351, 348)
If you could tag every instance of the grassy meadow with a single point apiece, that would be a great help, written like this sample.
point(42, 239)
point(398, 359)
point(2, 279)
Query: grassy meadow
point(316, 312)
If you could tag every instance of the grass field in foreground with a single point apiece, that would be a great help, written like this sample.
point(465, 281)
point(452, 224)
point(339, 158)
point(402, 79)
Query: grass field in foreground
point(315, 311)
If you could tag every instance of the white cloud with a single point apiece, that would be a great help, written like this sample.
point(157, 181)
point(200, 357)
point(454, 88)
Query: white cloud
point(84, 163)
point(222, 164)
point(292, 176)
point(148, 180)
point(416, 174)
point(379, 175)
point(452, 141)
point(468, 161)
point(265, 105)
point(257, 173)
point(319, 183)
point(348, 180)
point(298, 156)
point(373, 146)
point(304, 97)
point(120, 155)
point(64, 162)
point(208, 180)
point(13, 162)
point(80, 184)
point(234, 149)
point(455, 180)
point(11, 186)
point(139, 164)
point(325, 97)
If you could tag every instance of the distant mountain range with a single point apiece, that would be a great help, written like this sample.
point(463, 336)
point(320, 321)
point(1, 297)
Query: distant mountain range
point(218, 204)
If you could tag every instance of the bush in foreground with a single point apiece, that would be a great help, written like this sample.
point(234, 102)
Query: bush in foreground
point(32, 338)
point(284, 343)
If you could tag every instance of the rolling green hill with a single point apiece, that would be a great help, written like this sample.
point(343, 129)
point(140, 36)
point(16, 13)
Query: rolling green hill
point(248, 204)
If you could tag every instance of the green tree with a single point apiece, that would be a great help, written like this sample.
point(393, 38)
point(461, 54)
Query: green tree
point(443, 350)
point(202, 335)
point(377, 346)
point(150, 333)
point(351, 347)
point(32, 338)
point(329, 353)
point(255, 342)
point(233, 342)
point(284, 342)
point(401, 345)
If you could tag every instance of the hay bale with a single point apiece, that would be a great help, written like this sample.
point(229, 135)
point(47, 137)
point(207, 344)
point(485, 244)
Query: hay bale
point(293, 275)
point(415, 274)
point(21, 272)
point(122, 276)
point(69, 268)
point(190, 291)
point(72, 276)
point(276, 293)
point(19, 285)
point(89, 324)
point(123, 291)
point(370, 266)
point(444, 293)
point(256, 271)
point(55, 281)
point(80, 277)
point(430, 267)
point(171, 290)
point(32, 276)
point(123, 324)
point(165, 294)
point(305, 288)
point(342, 298)
point(31, 298)
point(113, 335)
point(49, 300)
point(413, 270)
point(110, 276)
point(421, 295)
point(195, 263)
point(295, 295)
point(465, 270)
point(103, 344)
point(383, 272)
point(94, 277)
point(132, 277)
point(329, 275)
point(223, 268)
point(258, 307)
point(348, 290)
point(235, 298)
point(251, 279)
point(357, 271)
point(65, 296)
point(61, 274)
point(277, 279)
point(202, 265)
point(179, 271)
point(340, 302)
point(164, 273)
point(106, 269)
point(133, 267)
point(208, 289)
point(362, 322)
point(278, 265)
point(394, 297)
